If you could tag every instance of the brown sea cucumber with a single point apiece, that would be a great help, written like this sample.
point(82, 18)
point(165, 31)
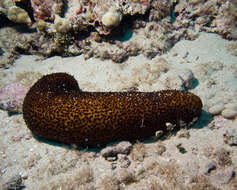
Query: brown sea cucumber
point(56, 109)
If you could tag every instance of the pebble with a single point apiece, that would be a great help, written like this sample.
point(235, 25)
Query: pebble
point(229, 113)
point(216, 109)
point(123, 147)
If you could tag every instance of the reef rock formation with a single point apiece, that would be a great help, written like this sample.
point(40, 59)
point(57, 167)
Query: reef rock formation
point(113, 29)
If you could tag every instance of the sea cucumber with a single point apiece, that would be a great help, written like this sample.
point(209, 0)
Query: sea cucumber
point(56, 109)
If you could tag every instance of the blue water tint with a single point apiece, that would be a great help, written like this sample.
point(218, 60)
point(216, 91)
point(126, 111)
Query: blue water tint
point(127, 35)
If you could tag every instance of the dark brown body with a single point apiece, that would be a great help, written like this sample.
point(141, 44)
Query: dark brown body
point(55, 109)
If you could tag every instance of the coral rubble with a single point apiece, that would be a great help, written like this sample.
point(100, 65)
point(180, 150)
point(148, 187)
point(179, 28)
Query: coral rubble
point(113, 29)
point(211, 16)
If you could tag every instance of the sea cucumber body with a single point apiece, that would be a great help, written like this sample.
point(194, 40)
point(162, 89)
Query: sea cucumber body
point(55, 109)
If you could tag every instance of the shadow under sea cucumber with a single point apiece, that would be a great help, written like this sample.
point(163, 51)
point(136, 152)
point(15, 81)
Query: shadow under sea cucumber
point(56, 109)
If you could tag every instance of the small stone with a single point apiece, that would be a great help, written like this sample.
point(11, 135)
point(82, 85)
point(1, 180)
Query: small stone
point(229, 113)
point(109, 152)
point(216, 109)
point(123, 147)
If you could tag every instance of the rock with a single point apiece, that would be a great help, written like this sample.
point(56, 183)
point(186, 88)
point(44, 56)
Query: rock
point(229, 113)
point(123, 147)
point(216, 109)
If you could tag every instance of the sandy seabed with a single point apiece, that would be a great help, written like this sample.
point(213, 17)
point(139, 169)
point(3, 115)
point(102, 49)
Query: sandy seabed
point(202, 157)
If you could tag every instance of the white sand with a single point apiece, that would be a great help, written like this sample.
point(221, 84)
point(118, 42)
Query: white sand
point(40, 164)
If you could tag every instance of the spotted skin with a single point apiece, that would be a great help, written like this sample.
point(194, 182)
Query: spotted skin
point(57, 110)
